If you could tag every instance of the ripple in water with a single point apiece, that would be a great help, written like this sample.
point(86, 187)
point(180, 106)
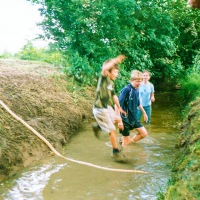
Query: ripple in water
point(32, 183)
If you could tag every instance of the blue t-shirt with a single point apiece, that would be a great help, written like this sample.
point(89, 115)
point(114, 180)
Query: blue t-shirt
point(129, 101)
point(145, 91)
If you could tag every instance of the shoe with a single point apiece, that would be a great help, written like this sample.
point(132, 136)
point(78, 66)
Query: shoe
point(119, 157)
point(96, 129)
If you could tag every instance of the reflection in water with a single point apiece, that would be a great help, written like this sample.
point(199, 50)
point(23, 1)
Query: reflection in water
point(72, 181)
point(31, 184)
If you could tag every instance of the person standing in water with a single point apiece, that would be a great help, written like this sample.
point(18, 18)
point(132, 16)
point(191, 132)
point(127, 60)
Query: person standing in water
point(105, 115)
point(129, 101)
point(146, 95)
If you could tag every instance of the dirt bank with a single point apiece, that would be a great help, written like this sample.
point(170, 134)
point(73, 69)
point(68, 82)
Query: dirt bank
point(40, 95)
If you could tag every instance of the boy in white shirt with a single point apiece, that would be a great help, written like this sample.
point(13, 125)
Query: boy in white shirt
point(146, 95)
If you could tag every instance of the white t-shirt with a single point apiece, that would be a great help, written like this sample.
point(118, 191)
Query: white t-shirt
point(145, 91)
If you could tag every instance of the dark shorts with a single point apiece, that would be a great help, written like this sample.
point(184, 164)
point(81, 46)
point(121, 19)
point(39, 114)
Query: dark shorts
point(128, 127)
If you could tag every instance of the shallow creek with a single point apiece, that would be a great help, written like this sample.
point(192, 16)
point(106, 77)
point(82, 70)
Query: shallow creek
point(60, 179)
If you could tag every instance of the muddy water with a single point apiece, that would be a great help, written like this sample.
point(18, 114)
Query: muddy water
point(58, 179)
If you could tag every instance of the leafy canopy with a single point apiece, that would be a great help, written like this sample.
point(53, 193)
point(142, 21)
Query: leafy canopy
point(152, 34)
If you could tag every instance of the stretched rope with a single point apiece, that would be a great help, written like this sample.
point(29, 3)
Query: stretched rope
point(58, 154)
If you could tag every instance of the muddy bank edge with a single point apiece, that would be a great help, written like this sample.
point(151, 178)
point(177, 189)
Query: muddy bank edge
point(48, 103)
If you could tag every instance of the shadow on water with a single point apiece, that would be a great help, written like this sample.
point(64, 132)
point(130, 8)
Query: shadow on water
point(67, 180)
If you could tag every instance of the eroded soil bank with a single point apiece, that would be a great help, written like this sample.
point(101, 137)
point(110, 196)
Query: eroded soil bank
point(41, 96)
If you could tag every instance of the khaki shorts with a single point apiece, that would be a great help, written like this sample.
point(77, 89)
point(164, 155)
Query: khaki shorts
point(106, 118)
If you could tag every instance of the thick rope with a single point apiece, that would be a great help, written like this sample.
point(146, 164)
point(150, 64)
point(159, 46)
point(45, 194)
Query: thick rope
point(58, 154)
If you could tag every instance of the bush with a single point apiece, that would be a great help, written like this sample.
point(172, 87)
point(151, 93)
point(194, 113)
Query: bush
point(29, 52)
point(189, 88)
point(6, 54)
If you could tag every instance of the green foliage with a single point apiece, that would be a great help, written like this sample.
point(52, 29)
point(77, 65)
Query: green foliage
point(122, 80)
point(187, 21)
point(149, 33)
point(29, 52)
point(185, 179)
point(161, 36)
point(81, 70)
point(189, 88)
point(196, 67)
point(6, 54)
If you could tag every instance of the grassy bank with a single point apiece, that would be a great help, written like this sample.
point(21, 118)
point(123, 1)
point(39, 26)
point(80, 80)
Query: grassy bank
point(185, 182)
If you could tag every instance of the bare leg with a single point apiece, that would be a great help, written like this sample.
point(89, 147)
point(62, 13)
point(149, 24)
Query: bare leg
point(117, 155)
point(126, 140)
point(113, 139)
point(142, 133)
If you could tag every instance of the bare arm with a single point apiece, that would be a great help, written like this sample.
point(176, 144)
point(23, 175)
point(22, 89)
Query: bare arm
point(152, 97)
point(107, 66)
point(118, 109)
point(144, 113)
point(116, 101)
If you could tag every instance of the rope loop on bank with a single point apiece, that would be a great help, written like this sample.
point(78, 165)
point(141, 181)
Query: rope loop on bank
point(57, 153)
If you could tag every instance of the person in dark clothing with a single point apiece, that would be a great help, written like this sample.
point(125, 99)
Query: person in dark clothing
point(129, 102)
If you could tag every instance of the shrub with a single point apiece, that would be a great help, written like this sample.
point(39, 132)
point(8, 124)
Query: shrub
point(189, 88)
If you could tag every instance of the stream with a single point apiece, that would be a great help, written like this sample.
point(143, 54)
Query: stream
point(59, 179)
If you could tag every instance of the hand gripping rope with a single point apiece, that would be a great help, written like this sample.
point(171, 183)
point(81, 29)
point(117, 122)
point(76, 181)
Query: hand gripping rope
point(58, 154)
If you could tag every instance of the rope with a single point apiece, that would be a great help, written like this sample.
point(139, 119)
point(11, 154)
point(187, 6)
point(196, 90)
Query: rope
point(58, 154)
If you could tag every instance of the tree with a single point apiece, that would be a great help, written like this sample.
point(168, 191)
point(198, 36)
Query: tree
point(187, 20)
point(89, 32)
